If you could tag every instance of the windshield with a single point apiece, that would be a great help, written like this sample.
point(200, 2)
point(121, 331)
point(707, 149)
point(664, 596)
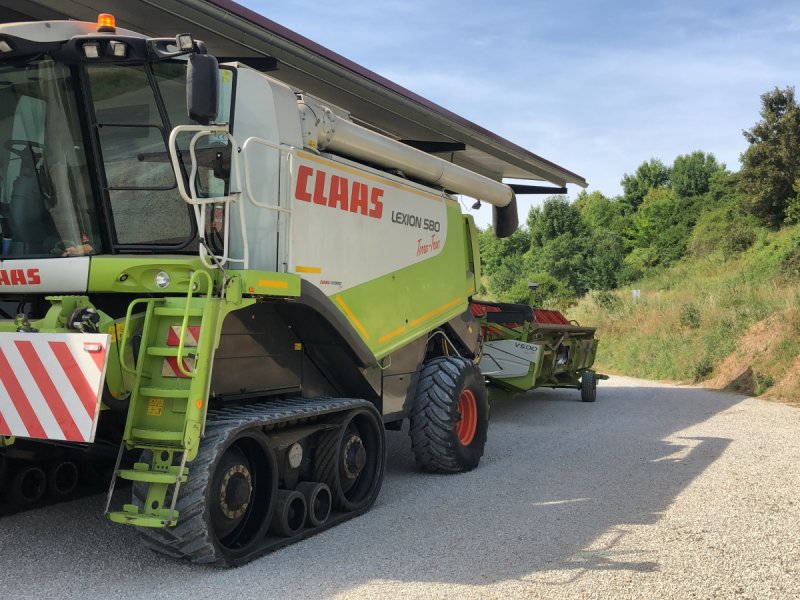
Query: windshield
point(46, 207)
point(134, 106)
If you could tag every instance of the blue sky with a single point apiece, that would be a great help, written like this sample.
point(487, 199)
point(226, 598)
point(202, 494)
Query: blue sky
point(597, 87)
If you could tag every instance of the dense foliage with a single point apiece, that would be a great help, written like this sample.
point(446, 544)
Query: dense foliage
point(693, 207)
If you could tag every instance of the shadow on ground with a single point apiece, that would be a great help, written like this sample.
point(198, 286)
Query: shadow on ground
point(558, 485)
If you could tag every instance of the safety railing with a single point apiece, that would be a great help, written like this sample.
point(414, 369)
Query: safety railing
point(185, 322)
point(281, 192)
point(200, 205)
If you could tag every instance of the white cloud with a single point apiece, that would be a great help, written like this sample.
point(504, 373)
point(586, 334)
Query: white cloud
point(596, 87)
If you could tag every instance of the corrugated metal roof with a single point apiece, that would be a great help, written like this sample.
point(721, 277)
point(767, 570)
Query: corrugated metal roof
point(233, 31)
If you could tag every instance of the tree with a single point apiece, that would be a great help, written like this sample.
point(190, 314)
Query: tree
point(662, 224)
point(556, 217)
point(598, 211)
point(771, 164)
point(559, 243)
point(495, 250)
point(691, 173)
point(652, 174)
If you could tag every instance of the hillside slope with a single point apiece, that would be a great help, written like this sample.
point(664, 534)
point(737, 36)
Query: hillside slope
point(728, 323)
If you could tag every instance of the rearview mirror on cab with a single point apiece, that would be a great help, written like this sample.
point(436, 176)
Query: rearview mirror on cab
point(202, 85)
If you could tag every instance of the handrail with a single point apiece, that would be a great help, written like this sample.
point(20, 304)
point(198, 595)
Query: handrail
point(126, 327)
point(290, 152)
point(200, 204)
point(185, 321)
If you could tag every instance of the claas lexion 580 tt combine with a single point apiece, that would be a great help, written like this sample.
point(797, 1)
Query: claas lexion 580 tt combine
point(231, 303)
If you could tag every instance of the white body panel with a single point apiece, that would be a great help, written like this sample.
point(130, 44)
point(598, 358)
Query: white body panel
point(265, 109)
point(352, 225)
point(45, 275)
point(505, 359)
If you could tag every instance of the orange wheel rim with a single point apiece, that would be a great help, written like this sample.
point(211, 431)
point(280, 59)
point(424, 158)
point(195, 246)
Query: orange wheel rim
point(468, 417)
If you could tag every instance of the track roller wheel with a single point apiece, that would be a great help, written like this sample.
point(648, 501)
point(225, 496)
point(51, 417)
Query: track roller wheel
point(289, 515)
point(350, 459)
point(28, 485)
point(226, 504)
point(588, 386)
point(318, 498)
point(450, 416)
point(62, 478)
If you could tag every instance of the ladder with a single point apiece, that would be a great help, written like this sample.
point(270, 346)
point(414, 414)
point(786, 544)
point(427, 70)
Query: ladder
point(168, 401)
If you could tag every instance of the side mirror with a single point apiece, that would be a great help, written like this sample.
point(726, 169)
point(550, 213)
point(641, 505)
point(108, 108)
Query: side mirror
point(202, 88)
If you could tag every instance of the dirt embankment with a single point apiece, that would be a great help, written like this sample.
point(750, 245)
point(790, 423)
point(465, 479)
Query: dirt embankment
point(758, 365)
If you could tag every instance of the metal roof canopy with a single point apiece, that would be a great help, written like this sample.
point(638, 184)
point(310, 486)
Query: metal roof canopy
point(233, 32)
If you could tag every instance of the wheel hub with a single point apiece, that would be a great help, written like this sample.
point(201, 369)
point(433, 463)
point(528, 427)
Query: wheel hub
point(467, 417)
point(235, 491)
point(354, 457)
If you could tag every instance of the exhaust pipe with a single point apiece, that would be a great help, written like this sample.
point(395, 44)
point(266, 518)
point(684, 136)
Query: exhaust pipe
point(290, 513)
point(62, 478)
point(318, 499)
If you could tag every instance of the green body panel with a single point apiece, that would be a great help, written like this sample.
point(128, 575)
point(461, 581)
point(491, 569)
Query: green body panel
point(472, 252)
point(136, 274)
point(394, 310)
point(268, 283)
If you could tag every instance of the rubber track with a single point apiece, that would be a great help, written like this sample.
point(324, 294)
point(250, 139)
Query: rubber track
point(190, 538)
point(433, 416)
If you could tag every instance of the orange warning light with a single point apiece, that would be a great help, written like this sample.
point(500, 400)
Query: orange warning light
point(106, 22)
point(199, 403)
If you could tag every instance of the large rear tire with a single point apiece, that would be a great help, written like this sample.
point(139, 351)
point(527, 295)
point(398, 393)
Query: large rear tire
point(450, 416)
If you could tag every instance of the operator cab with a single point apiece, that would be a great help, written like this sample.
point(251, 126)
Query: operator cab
point(85, 115)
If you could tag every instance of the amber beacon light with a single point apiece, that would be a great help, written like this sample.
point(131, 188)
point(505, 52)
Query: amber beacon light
point(106, 23)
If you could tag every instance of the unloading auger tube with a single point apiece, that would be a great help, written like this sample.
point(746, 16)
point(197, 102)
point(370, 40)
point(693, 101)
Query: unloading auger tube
point(325, 130)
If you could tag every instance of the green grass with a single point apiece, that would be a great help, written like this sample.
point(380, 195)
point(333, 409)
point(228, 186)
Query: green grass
point(690, 318)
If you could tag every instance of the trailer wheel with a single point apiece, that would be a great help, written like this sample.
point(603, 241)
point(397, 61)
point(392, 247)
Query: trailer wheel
point(588, 387)
point(226, 505)
point(450, 416)
point(351, 459)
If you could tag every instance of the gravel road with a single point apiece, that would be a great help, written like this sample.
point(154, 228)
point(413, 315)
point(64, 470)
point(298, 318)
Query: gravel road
point(654, 491)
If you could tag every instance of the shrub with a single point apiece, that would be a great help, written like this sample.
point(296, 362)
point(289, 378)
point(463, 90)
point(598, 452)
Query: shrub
point(702, 368)
point(690, 316)
point(607, 301)
point(763, 382)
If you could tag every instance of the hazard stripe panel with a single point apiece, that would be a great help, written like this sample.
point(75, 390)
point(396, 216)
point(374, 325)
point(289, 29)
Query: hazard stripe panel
point(169, 367)
point(189, 341)
point(51, 384)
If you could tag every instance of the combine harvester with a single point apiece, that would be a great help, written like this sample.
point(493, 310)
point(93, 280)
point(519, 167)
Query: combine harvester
point(232, 302)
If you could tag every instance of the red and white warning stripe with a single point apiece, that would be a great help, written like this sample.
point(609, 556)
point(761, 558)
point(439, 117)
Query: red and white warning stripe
point(190, 341)
point(169, 368)
point(51, 384)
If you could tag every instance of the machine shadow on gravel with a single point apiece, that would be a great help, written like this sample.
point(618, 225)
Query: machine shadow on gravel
point(558, 476)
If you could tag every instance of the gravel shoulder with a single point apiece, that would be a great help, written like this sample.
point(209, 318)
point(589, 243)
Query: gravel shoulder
point(654, 491)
